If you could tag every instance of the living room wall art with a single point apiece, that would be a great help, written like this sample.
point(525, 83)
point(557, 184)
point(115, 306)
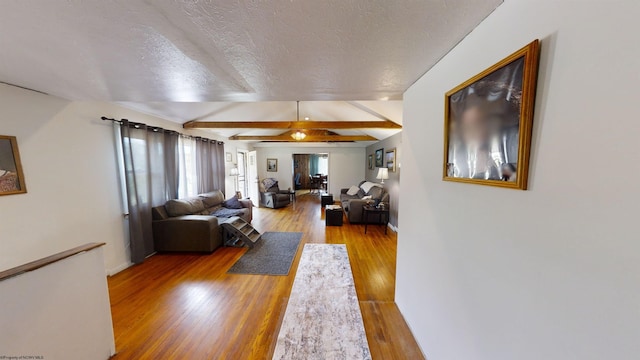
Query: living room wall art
point(272, 165)
point(370, 162)
point(390, 157)
point(488, 121)
point(11, 176)
point(379, 158)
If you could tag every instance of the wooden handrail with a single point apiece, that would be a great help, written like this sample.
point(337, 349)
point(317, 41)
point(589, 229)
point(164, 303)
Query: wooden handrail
point(4, 275)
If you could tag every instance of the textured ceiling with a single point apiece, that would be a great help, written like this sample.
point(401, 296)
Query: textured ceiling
point(228, 50)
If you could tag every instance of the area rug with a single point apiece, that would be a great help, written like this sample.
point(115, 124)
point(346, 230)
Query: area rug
point(272, 255)
point(323, 319)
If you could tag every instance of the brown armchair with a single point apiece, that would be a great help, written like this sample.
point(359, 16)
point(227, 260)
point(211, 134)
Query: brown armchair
point(271, 196)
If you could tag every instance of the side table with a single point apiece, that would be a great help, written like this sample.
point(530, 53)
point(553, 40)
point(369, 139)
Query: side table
point(326, 199)
point(333, 215)
point(367, 210)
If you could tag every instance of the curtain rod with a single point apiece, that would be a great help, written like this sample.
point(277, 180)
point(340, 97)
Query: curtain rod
point(157, 128)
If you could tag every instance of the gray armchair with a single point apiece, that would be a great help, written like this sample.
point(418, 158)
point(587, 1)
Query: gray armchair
point(271, 196)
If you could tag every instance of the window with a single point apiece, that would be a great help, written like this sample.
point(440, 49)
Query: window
point(188, 178)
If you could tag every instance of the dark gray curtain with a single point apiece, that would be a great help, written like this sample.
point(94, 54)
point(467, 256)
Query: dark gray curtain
point(147, 161)
point(217, 158)
point(210, 165)
point(172, 172)
point(204, 171)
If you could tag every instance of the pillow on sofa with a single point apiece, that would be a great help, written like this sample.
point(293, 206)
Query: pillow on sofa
point(367, 185)
point(361, 193)
point(353, 190)
point(376, 192)
point(232, 203)
point(180, 207)
point(212, 199)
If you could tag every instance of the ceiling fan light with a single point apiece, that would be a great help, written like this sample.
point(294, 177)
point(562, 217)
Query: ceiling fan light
point(298, 135)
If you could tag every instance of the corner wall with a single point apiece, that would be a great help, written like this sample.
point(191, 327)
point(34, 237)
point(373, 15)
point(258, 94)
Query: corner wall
point(392, 185)
point(549, 273)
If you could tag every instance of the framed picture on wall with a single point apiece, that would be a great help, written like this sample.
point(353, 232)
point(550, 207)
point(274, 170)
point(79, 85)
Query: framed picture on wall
point(370, 162)
point(488, 121)
point(390, 157)
point(379, 157)
point(229, 157)
point(272, 165)
point(11, 176)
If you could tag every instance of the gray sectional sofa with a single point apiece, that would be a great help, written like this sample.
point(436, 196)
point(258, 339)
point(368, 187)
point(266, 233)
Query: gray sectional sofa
point(188, 224)
point(352, 204)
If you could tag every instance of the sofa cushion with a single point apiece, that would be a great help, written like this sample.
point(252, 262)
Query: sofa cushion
point(361, 193)
point(159, 213)
point(180, 207)
point(212, 199)
point(376, 192)
point(353, 190)
point(232, 203)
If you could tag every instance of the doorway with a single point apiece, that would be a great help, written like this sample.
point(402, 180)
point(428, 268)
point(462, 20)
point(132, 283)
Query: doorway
point(311, 173)
point(242, 172)
point(248, 175)
point(252, 177)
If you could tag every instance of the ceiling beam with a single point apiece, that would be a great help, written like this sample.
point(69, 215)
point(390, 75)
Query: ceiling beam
point(302, 125)
point(309, 138)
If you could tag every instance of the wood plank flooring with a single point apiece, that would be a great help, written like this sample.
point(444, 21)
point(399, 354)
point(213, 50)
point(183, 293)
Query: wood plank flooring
point(185, 306)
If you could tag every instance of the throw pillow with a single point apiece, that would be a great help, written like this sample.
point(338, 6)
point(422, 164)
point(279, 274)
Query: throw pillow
point(353, 190)
point(361, 193)
point(232, 203)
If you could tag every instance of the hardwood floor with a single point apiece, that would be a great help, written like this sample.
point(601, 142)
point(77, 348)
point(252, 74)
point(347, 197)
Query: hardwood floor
point(185, 306)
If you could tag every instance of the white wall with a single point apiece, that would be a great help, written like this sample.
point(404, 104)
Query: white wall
point(73, 194)
point(345, 164)
point(392, 185)
point(553, 272)
point(59, 311)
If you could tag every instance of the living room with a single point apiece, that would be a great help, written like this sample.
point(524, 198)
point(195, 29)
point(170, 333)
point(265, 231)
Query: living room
point(466, 272)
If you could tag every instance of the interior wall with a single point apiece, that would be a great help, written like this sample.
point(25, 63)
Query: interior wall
point(73, 187)
point(548, 273)
point(344, 165)
point(57, 310)
point(392, 185)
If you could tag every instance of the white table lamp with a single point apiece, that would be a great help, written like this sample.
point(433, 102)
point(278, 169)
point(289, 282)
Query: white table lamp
point(383, 174)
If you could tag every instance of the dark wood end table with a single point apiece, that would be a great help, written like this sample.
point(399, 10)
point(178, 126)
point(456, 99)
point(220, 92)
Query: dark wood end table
point(367, 210)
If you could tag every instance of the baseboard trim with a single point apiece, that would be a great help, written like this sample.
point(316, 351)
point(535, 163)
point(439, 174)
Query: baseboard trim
point(393, 228)
point(117, 269)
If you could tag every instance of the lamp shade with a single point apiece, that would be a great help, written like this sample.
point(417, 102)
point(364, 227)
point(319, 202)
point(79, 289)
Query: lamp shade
point(234, 171)
point(383, 174)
